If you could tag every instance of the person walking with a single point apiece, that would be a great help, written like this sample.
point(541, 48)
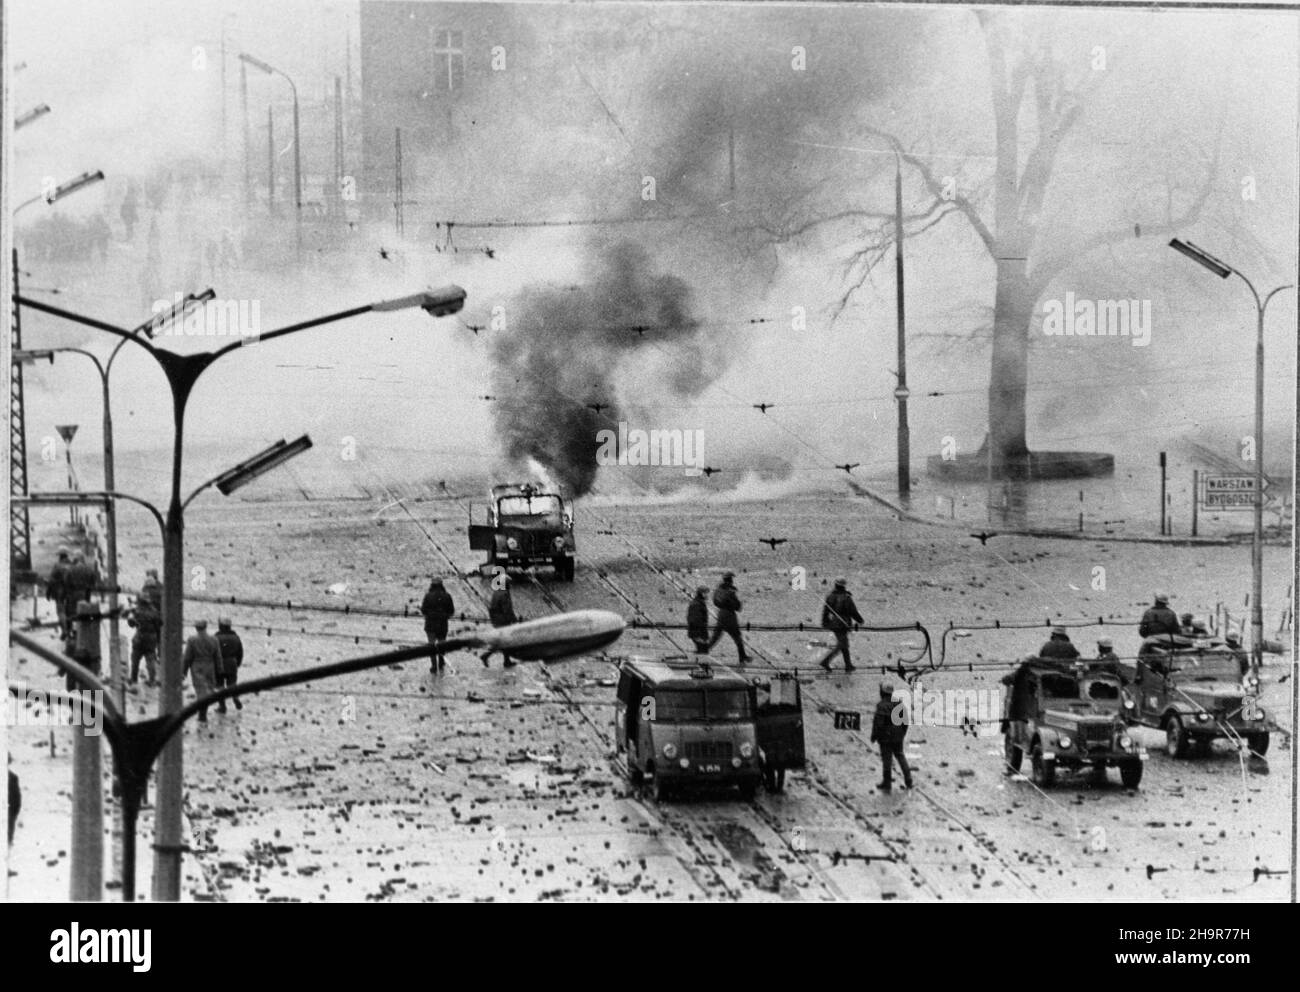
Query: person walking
point(889, 729)
point(838, 613)
point(501, 611)
point(232, 656)
point(697, 620)
point(147, 621)
point(201, 658)
point(727, 601)
point(79, 582)
point(438, 609)
point(152, 590)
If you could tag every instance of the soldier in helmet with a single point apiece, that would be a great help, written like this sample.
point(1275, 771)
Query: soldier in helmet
point(1160, 619)
point(839, 612)
point(1107, 659)
point(1058, 647)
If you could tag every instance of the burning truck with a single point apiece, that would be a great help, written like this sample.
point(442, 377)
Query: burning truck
point(525, 526)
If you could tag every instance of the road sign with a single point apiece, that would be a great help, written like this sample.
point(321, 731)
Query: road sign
point(1230, 492)
point(848, 720)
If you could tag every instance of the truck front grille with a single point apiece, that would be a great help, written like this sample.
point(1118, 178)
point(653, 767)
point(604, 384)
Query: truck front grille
point(708, 750)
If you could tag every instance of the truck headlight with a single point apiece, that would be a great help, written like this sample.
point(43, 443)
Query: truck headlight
point(1202, 717)
point(1063, 742)
point(1128, 704)
point(670, 751)
point(559, 543)
point(735, 762)
point(1258, 714)
point(685, 763)
point(512, 544)
point(1126, 742)
point(747, 750)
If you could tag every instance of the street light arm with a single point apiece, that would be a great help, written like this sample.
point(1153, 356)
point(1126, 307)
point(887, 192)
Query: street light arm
point(1274, 293)
point(77, 318)
point(79, 673)
point(292, 328)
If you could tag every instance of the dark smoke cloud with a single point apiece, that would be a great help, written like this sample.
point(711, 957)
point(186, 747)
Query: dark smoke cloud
point(563, 348)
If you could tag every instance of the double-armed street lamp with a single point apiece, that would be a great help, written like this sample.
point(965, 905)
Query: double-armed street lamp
point(1223, 270)
point(136, 746)
point(63, 189)
point(182, 372)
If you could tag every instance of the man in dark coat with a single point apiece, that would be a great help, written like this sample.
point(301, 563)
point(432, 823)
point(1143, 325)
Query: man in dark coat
point(202, 656)
point(55, 589)
point(437, 608)
point(232, 656)
point(728, 605)
point(1058, 646)
point(152, 590)
point(839, 612)
point(889, 729)
point(697, 620)
point(147, 621)
point(1160, 619)
point(501, 611)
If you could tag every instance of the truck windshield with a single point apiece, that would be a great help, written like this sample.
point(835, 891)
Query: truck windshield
point(1103, 689)
point(686, 705)
point(1060, 687)
point(528, 506)
point(1209, 668)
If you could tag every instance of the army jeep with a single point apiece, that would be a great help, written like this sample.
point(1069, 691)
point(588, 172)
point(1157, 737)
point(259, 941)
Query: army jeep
point(1068, 716)
point(525, 526)
point(1197, 691)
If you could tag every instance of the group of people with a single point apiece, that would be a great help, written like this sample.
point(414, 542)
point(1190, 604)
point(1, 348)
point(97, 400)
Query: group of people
point(72, 581)
point(438, 608)
point(212, 663)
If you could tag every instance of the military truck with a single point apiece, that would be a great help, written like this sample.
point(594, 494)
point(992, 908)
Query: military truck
point(1068, 715)
point(525, 526)
point(1197, 691)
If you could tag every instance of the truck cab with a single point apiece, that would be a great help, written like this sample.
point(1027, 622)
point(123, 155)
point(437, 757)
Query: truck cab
point(679, 727)
point(525, 526)
point(1065, 715)
point(1196, 692)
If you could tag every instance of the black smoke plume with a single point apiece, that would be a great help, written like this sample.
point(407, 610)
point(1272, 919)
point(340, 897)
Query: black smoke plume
point(559, 357)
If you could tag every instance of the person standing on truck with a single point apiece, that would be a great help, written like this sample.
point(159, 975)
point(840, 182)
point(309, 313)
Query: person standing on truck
point(889, 729)
point(1160, 619)
point(438, 609)
point(697, 620)
point(1058, 647)
point(1233, 640)
point(838, 612)
point(727, 602)
point(501, 611)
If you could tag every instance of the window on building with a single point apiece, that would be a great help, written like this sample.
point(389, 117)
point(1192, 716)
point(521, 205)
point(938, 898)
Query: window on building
point(449, 59)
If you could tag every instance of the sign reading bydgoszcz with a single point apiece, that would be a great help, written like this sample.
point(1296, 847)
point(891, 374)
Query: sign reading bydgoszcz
point(1229, 492)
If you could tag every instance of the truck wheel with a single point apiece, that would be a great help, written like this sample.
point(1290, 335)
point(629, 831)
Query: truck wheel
point(1258, 743)
point(1044, 768)
point(748, 790)
point(1014, 755)
point(780, 779)
point(1176, 742)
point(1130, 773)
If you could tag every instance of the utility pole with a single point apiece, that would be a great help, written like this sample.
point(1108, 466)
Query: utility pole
point(20, 531)
point(248, 149)
point(336, 197)
point(901, 392)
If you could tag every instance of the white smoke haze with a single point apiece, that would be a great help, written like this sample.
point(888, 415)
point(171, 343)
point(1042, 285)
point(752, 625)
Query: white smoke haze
point(127, 98)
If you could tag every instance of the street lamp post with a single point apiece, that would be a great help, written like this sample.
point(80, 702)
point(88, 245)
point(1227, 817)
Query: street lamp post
point(297, 147)
point(63, 189)
point(1223, 270)
point(136, 746)
point(183, 372)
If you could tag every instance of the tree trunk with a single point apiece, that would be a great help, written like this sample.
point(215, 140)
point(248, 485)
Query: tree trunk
point(1009, 370)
